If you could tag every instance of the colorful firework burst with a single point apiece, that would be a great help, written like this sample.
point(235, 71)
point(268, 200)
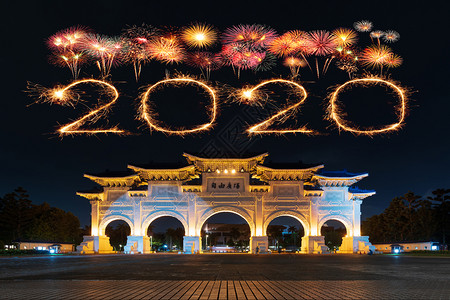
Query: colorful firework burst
point(321, 43)
point(345, 37)
point(377, 34)
point(393, 61)
point(205, 61)
point(289, 43)
point(375, 56)
point(391, 36)
point(199, 35)
point(363, 26)
point(135, 39)
point(168, 50)
point(255, 36)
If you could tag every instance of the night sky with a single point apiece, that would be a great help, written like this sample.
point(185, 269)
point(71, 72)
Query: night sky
point(416, 158)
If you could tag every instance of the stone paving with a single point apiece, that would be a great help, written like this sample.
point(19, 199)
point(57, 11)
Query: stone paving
point(159, 276)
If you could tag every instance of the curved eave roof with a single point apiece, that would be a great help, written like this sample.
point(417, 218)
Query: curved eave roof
point(350, 177)
point(192, 158)
point(93, 177)
point(139, 169)
point(311, 169)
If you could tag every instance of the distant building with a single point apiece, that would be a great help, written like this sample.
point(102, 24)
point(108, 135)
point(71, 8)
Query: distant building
point(52, 246)
point(406, 247)
point(220, 234)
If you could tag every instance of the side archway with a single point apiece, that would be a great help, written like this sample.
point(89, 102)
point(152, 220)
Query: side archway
point(109, 219)
point(296, 215)
point(225, 209)
point(344, 220)
point(158, 214)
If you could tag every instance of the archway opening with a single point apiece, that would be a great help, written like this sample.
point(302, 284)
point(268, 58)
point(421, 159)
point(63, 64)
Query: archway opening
point(166, 234)
point(118, 232)
point(225, 232)
point(333, 231)
point(285, 234)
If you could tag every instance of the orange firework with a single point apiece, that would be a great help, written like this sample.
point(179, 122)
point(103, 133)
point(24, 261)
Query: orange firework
point(335, 112)
point(165, 49)
point(375, 56)
point(294, 64)
point(345, 37)
point(199, 36)
point(148, 114)
point(291, 42)
point(252, 95)
point(393, 61)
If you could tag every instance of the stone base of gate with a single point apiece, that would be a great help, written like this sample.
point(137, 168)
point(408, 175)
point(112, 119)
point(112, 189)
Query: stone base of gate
point(137, 244)
point(262, 242)
point(95, 244)
point(314, 244)
point(192, 244)
point(356, 244)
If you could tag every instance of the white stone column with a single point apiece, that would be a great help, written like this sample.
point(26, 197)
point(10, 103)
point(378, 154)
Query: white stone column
point(262, 242)
point(192, 244)
point(314, 218)
point(137, 220)
point(137, 244)
point(357, 217)
point(94, 218)
point(258, 217)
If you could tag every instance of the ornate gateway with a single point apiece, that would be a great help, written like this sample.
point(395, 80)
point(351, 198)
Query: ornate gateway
point(243, 186)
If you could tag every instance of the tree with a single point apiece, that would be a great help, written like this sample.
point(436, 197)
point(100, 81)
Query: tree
point(235, 233)
point(118, 232)
point(442, 206)
point(15, 215)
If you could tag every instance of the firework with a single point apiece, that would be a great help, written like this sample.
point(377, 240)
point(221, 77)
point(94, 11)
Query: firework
point(256, 37)
point(377, 34)
point(294, 64)
point(335, 112)
point(199, 36)
point(391, 36)
point(321, 43)
point(267, 63)
point(166, 49)
point(375, 56)
point(65, 45)
point(393, 61)
point(347, 65)
point(135, 40)
point(345, 37)
point(291, 42)
point(252, 95)
point(105, 50)
point(148, 114)
point(205, 61)
point(363, 26)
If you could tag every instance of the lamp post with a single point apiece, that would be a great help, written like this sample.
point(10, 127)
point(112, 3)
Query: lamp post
point(151, 243)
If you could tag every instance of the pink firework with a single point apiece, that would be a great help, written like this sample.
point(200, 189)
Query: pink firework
point(321, 43)
point(255, 36)
point(205, 61)
point(67, 39)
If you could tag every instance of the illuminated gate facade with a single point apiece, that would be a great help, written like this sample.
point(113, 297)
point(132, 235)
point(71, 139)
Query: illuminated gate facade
point(243, 186)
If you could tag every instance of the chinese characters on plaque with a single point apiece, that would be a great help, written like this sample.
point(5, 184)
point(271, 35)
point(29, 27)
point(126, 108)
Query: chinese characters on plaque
point(226, 185)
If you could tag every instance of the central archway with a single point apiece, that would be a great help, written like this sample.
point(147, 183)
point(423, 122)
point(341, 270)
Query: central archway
point(286, 213)
point(225, 209)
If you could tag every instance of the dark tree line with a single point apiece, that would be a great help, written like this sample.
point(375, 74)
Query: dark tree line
point(20, 219)
point(412, 218)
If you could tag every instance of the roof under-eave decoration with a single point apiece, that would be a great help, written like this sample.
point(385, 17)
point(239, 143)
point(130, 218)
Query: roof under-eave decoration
point(96, 196)
point(213, 164)
point(267, 174)
point(359, 194)
point(114, 181)
point(338, 178)
point(185, 173)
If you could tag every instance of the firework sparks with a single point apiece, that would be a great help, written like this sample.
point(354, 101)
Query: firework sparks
point(335, 112)
point(199, 36)
point(377, 34)
point(65, 45)
point(135, 39)
point(391, 36)
point(345, 37)
point(363, 26)
point(205, 61)
point(255, 36)
point(148, 115)
point(167, 50)
point(65, 95)
point(294, 64)
point(393, 61)
point(375, 56)
point(104, 49)
point(253, 95)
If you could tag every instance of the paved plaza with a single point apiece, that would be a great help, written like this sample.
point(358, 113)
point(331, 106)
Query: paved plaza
point(225, 276)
